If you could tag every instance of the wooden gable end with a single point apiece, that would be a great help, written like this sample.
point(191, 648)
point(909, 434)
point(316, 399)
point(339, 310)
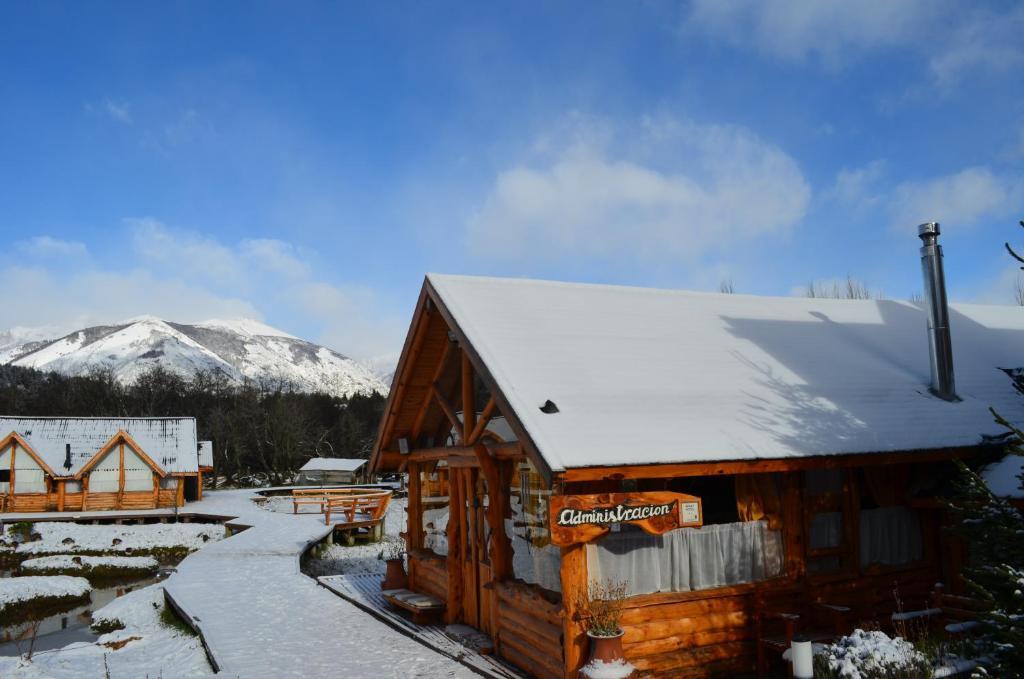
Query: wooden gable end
point(428, 390)
point(15, 439)
point(120, 437)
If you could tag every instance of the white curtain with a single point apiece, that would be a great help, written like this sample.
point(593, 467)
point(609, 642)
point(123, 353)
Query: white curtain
point(535, 565)
point(890, 536)
point(687, 559)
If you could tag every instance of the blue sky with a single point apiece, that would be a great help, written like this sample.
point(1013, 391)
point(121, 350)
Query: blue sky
point(307, 163)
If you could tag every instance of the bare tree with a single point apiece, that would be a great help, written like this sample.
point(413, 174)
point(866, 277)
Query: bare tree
point(726, 286)
point(851, 288)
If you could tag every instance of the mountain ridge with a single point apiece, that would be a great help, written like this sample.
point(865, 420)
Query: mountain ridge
point(242, 349)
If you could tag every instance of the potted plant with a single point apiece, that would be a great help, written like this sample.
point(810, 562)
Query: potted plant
point(392, 553)
point(601, 608)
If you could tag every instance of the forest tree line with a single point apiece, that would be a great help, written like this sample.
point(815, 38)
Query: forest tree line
point(257, 426)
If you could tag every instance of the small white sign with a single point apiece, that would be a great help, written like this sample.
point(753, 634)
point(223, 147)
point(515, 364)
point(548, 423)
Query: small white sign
point(691, 512)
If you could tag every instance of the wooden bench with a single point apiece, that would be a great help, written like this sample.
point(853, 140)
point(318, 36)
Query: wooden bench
point(348, 501)
point(424, 608)
point(781, 615)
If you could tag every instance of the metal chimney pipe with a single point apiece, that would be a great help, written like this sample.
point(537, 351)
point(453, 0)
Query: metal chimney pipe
point(940, 346)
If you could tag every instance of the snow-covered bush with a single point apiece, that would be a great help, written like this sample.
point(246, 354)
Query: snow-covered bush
point(871, 655)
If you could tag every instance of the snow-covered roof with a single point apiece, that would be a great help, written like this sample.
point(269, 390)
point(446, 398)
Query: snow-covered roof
point(1003, 477)
point(169, 441)
point(332, 464)
point(647, 376)
point(206, 453)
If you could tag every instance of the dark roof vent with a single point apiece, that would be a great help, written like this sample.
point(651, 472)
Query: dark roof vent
point(67, 456)
point(549, 407)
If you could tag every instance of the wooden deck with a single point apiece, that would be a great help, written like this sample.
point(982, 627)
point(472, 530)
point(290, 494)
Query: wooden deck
point(364, 591)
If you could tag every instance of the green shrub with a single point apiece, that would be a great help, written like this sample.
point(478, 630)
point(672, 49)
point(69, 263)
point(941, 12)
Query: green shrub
point(107, 625)
point(169, 618)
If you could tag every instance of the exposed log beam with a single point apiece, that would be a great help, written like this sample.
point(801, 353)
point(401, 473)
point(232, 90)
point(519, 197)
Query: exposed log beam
point(468, 399)
point(424, 408)
point(481, 424)
point(448, 410)
point(501, 451)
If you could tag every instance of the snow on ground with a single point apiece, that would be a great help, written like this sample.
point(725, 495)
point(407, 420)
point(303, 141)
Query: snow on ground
point(97, 538)
point(14, 590)
point(68, 562)
point(159, 651)
point(360, 558)
point(262, 617)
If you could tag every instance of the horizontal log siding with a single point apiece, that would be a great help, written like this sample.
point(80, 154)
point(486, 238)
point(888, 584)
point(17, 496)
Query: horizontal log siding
point(711, 633)
point(28, 502)
point(529, 630)
point(430, 575)
point(691, 634)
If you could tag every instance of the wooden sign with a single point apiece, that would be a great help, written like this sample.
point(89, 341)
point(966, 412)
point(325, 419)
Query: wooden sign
point(581, 518)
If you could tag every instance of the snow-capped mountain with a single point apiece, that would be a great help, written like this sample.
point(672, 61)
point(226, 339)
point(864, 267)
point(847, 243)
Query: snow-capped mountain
point(239, 348)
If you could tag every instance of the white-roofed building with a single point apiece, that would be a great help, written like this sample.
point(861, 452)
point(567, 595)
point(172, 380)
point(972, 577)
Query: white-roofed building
point(331, 470)
point(89, 463)
point(796, 447)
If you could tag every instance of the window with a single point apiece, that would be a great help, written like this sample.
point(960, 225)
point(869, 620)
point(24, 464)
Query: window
point(890, 531)
point(740, 542)
point(534, 559)
point(825, 507)
point(434, 500)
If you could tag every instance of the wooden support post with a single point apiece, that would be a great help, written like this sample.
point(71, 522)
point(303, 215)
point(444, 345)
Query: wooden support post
point(156, 490)
point(180, 499)
point(468, 398)
point(120, 477)
point(793, 525)
point(199, 485)
point(85, 492)
point(574, 586)
point(10, 486)
point(453, 608)
point(414, 509)
point(60, 495)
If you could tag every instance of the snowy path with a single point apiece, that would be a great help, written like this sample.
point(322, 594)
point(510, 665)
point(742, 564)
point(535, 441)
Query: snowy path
point(261, 617)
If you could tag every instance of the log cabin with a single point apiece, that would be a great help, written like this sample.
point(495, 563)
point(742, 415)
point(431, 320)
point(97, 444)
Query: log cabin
point(325, 470)
point(803, 446)
point(97, 463)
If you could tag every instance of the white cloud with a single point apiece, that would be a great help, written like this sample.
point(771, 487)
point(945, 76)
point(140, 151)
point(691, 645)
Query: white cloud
point(48, 246)
point(117, 110)
point(857, 187)
point(37, 296)
point(189, 276)
point(961, 199)
point(954, 39)
point(662, 189)
point(184, 252)
point(350, 319)
point(275, 256)
point(984, 41)
point(829, 30)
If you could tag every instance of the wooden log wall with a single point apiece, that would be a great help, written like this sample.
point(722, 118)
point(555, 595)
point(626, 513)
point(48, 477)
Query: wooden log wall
point(429, 572)
point(529, 629)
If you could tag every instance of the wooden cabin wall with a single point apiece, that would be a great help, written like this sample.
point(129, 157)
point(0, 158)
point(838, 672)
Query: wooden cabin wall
point(529, 629)
point(712, 632)
point(428, 573)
